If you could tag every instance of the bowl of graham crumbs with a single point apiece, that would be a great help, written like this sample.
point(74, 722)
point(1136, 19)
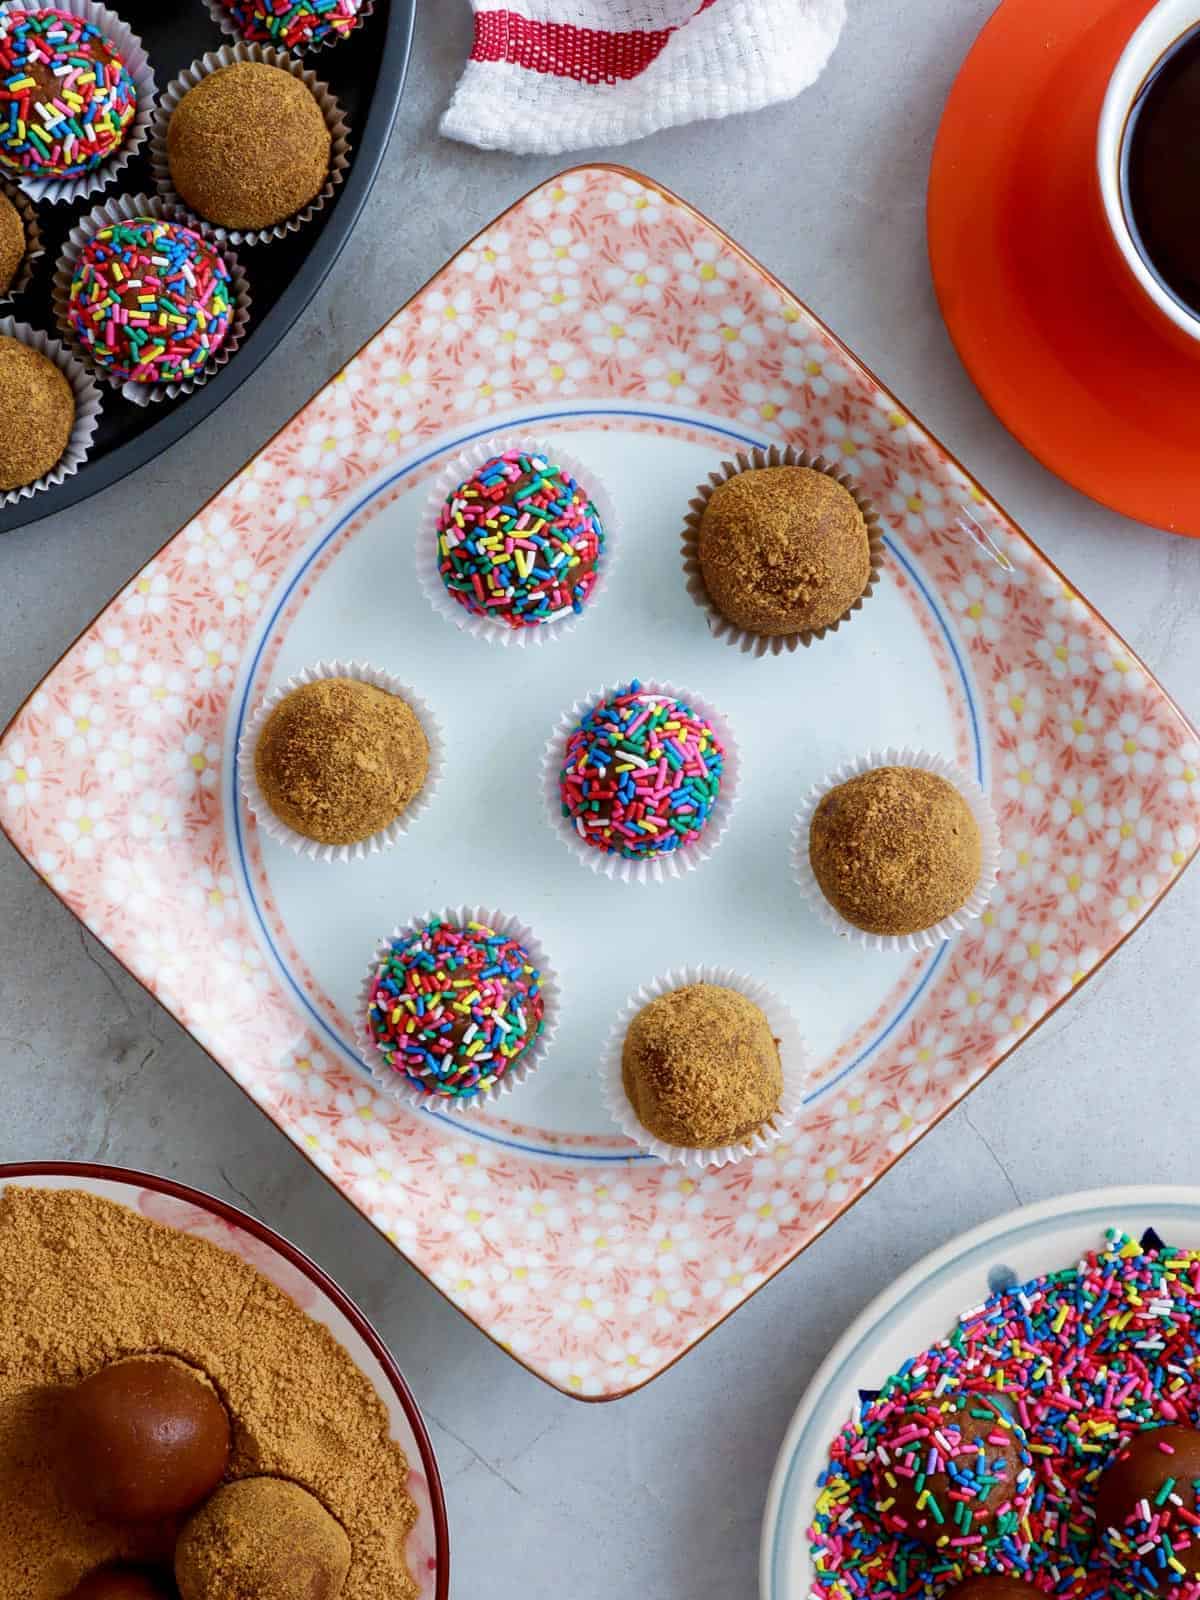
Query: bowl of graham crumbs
point(206, 1329)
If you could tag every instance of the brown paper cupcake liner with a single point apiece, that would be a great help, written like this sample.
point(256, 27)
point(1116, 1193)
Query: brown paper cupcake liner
point(129, 208)
point(133, 53)
point(229, 56)
point(87, 408)
point(720, 627)
point(34, 249)
point(225, 22)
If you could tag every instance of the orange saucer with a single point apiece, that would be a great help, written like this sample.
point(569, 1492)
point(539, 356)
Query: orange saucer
point(1039, 304)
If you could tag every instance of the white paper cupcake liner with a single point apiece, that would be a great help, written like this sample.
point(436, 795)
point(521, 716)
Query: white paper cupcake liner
point(981, 809)
point(127, 208)
point(653, 869)
point(719, 626)
point(394, 1084)
point(133, 52)
point(225, 22)
point(457, 470)
point(276, 828)
point(793, 1058)
point(34, 249)
point(87, 408)
point(214, 61)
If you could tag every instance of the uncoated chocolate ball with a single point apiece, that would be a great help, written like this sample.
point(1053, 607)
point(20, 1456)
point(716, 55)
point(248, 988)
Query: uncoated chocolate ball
point(145, 1438)
point(994, 1587)
point(119, 1583)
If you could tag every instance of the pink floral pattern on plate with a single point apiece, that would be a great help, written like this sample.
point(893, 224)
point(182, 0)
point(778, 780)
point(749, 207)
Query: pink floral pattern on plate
point(598, 287)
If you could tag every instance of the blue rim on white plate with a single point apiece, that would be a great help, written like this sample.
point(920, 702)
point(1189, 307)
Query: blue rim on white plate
point(922, 1307)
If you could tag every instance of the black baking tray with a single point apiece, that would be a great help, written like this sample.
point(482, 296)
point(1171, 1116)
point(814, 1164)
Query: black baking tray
point(366, 71)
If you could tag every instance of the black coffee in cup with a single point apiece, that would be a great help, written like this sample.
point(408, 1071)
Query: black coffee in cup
point(1160, 171)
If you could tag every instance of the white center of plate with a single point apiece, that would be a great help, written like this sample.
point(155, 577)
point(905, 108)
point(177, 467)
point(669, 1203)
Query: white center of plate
point(890, 677)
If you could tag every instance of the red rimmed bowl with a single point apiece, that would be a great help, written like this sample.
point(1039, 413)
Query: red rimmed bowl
point(194, 1212)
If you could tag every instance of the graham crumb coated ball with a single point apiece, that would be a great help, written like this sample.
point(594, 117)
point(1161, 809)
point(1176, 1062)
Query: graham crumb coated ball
point(641, 775)
point(895, 850)
point(120, 1583)
point(12, 242)
point(37, 413)
point(701, 1067)
point(67, 99)
point(262, 1539)
point(520, 542)
point(1148, 1509)
point(150, 301)
point(144, 1438)
point(249, 146)
point(954, 1472)
point(294, 23)
point(783, 550)
point(453, 1009)
point(339, 760)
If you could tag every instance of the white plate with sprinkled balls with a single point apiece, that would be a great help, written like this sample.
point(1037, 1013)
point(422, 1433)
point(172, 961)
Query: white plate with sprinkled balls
point(922, 1307)
point(607, 318)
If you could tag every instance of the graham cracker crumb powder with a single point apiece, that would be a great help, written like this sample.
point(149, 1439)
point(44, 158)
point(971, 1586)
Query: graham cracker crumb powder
point(84, 1282)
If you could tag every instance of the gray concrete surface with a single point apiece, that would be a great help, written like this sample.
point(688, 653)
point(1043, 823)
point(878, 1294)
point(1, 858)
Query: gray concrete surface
point(661, 1495)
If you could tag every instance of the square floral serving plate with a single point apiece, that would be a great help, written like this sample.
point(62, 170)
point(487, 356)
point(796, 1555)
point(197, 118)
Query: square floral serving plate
point(603, 313)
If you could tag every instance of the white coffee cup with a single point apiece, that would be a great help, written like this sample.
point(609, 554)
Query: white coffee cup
point(1164, 26)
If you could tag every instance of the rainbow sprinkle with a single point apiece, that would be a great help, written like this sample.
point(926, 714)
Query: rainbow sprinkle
point(452, 1008)
point(953, 1472)
point(1080, 1360)
point(520, 542)
point(66, 96)
point(294, 23)
point(151, 301)
point(641, 775)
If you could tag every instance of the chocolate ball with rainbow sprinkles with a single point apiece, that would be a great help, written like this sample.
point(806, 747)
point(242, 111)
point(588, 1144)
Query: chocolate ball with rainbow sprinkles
point(1148, 1512)
point(67, 98)
point(150, 302)
point(453, 1008)
point(520, 543)
point(641, 774)
point(296, 24)
point(952, 1471)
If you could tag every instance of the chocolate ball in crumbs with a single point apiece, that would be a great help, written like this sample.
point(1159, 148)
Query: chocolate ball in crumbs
point(120, 1583)
point(12, 242)
point(783, 550)
point(144, 1438)
point(338, 760)
point(895, 850)
point(701, 1067)
point(248, 146)
point(262, 1539)
point(1156, 1472)
point(37, 413)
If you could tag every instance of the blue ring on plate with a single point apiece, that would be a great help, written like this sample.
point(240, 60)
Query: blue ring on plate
point(466, 1125)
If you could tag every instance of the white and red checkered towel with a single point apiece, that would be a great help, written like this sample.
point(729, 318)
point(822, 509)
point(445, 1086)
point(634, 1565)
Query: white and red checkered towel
point(550, 75)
